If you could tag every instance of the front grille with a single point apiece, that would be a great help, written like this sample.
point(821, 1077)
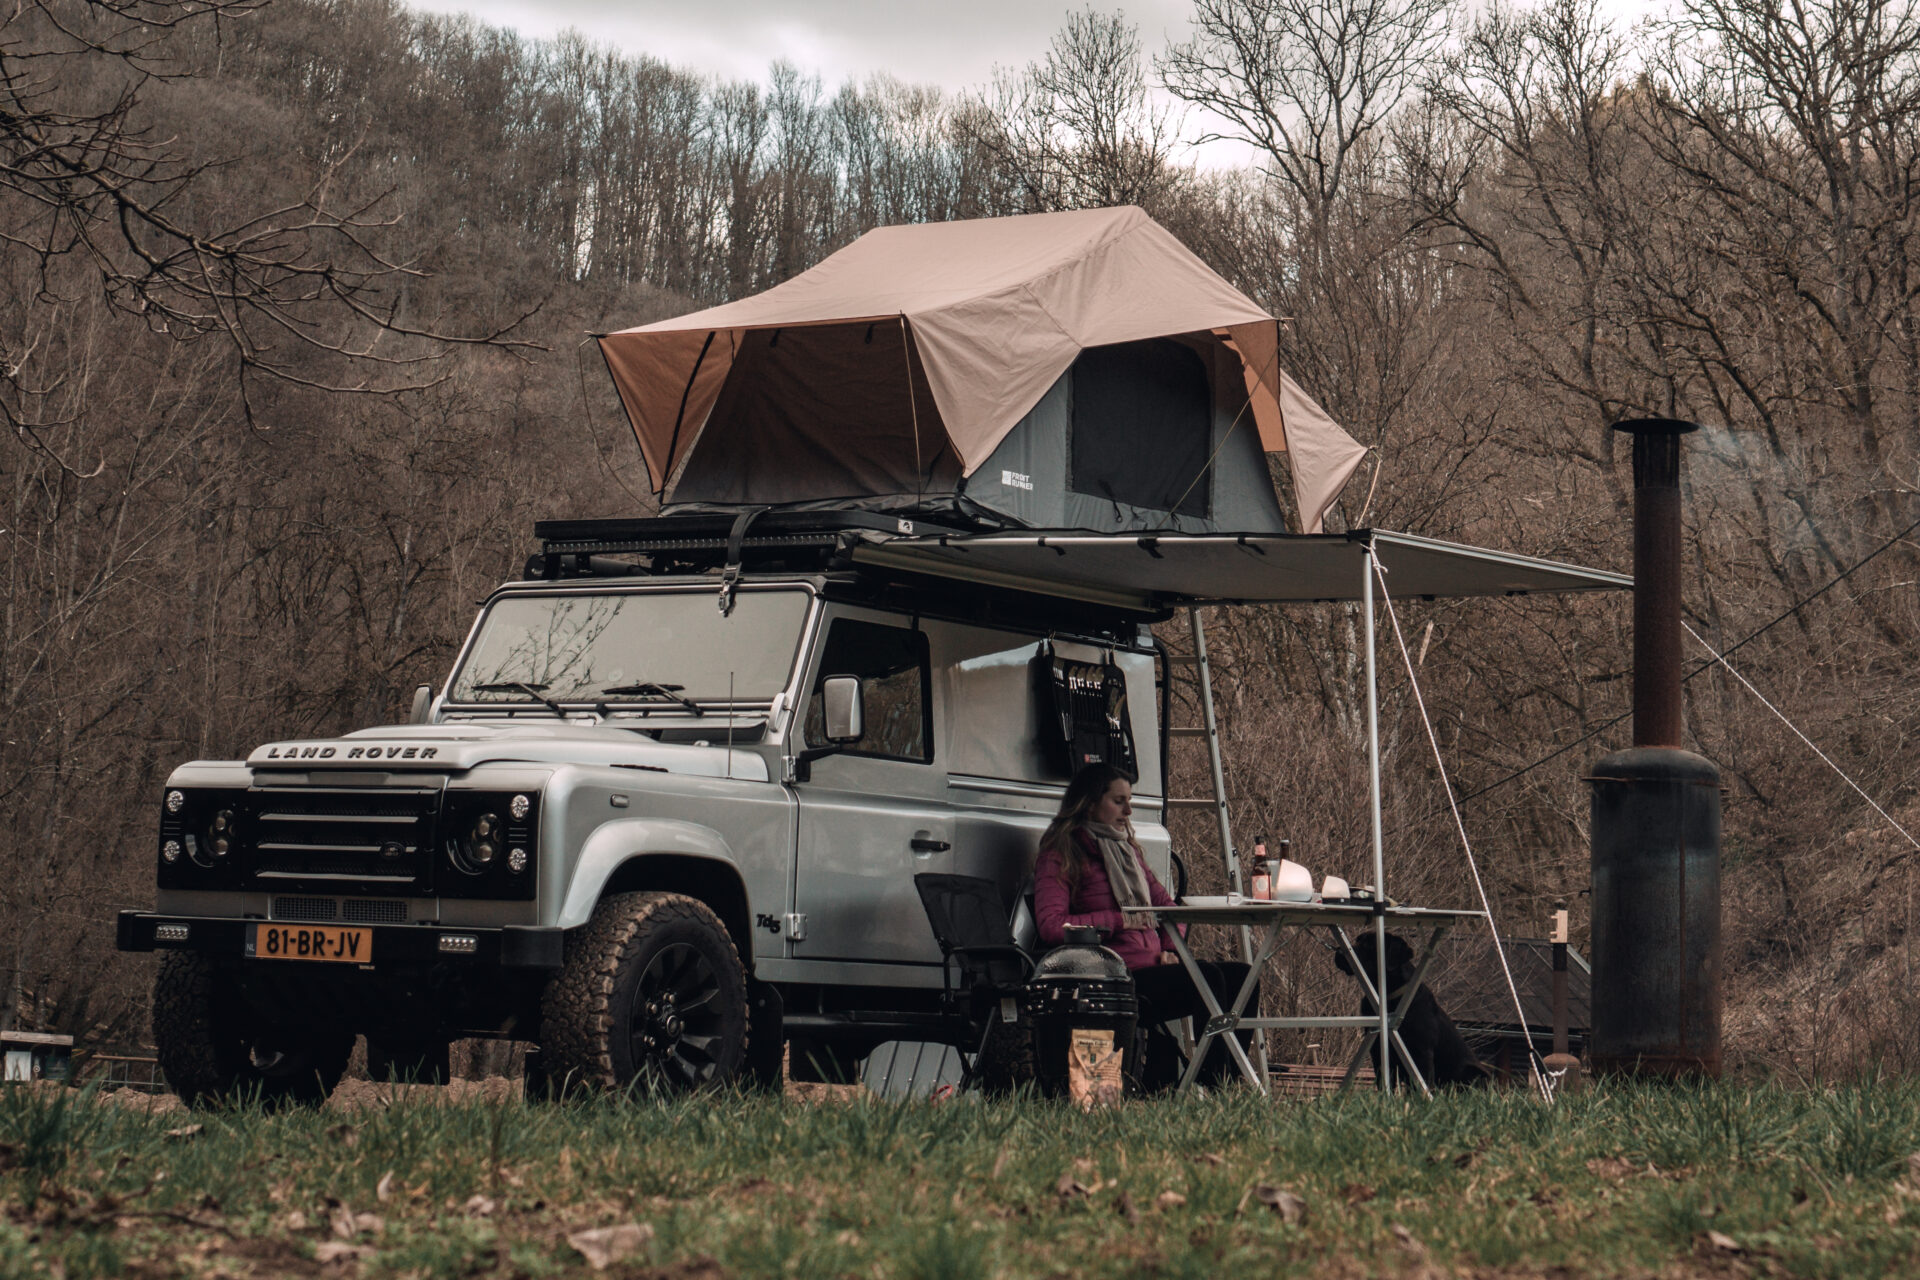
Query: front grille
point(373, 911)
point(384, 835)
point(309, 909)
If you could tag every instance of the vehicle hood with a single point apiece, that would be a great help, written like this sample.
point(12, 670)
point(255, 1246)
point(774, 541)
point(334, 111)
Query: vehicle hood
point(463, 746)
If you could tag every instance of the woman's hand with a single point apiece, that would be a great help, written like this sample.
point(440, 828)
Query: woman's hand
point(1169, 957)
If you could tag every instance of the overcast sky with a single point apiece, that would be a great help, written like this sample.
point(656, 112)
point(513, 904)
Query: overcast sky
point(951, 43)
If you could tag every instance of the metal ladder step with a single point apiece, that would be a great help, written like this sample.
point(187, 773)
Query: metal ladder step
point(1187, 731)
point(1205, 802)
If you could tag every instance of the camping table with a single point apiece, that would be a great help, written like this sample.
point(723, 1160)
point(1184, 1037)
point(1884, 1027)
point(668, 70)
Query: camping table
point(1275, 917)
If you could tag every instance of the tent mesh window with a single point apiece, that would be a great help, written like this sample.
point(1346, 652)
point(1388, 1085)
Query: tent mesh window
point(894, 675)
point(1142, 424)
point(1084, 716)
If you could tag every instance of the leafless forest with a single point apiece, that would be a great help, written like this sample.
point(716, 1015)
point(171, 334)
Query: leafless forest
point(292, 301)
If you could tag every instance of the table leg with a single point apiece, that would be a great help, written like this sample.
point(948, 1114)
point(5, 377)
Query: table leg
point(1399, 1012)
point(1394, 1017)
point(1221, 1022)
point(1366, 985)
point(1406, 1003)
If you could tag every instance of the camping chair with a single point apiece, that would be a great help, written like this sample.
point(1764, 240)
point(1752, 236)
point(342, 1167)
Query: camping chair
point(983, 972)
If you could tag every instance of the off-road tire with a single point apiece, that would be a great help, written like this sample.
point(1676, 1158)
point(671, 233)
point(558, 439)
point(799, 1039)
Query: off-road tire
point(208, 1055)
point(596, 1032)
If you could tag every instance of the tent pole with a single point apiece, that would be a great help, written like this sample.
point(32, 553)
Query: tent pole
point(1373, 792)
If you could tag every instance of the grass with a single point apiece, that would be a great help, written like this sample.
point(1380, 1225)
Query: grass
point(1631, 1181)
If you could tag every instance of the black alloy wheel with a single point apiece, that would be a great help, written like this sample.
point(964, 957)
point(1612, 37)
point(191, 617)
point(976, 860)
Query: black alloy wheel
point(652, 995)
point(676, 1021)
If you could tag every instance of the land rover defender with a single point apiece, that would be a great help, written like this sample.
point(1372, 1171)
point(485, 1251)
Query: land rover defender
point(663, 817)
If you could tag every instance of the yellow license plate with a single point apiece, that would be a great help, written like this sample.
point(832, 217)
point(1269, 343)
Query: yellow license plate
point(311, 942)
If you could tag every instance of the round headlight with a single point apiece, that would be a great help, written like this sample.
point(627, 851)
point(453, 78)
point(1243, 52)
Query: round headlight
point(519, 807)
point(483, 846)
point(171, 849)
point(516, 860)
point(176, 801)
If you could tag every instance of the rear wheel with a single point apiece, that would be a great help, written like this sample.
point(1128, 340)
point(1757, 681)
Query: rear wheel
point(212, 1052)
point(652, 993)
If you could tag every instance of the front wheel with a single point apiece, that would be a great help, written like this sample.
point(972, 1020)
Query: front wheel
point(652, 992)
point(211, 1053)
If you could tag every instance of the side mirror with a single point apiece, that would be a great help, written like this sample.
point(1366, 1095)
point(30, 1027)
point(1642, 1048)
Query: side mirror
point(844, 722)
point(422, 704)
point(844, 710)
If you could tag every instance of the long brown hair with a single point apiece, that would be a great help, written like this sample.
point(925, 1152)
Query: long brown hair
point(1076, 809)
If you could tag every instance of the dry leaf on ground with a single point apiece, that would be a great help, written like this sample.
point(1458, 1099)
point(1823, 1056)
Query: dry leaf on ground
point(478, 1206)
point(1069, 1186)
point(384, 1191)
point(1407, 1242)
point(188, 1131)
point(1291, 1208)
point(604, 1246)
point(1723, 1243)
point(1124, 1206)
point(1357, 1193)
point(336, 1251)
point(1169, 1200)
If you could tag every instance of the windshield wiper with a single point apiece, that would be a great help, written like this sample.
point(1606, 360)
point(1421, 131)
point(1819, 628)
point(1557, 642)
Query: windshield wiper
point(521, 686)
point(671, 692)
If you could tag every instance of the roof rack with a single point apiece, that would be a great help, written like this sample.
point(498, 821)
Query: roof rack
point(801, 541)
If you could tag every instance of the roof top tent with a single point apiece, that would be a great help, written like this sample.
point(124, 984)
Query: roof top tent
point(1064, 370)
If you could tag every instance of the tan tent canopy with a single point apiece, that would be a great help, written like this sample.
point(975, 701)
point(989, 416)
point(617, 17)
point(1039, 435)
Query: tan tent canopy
point(924, 345)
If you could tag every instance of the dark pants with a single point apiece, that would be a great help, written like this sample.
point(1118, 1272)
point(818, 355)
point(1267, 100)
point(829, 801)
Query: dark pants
point(1167, 993)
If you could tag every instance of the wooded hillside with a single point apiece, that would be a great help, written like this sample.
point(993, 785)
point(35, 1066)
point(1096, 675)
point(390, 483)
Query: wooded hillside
point(293, 298)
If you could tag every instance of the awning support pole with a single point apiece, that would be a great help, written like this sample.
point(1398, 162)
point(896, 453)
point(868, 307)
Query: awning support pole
point(1205, 672)
point(1373, 792)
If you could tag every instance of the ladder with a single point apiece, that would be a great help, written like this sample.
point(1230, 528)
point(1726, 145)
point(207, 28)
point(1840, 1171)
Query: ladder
point(1209, 728)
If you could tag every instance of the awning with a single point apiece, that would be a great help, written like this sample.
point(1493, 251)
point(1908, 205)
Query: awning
point(1161, 571)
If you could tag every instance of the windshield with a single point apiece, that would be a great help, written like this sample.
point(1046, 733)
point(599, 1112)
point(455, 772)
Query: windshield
point(570, 648)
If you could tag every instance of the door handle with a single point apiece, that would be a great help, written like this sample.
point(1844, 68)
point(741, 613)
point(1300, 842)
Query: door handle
point(922, 845)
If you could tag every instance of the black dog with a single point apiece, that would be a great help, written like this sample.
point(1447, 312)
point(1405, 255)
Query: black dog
point(1435, 1044)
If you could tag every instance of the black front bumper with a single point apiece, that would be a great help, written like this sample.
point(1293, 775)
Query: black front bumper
point(511, 947)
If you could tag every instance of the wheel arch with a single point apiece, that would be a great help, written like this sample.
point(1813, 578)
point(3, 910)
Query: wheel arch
point(710, 880)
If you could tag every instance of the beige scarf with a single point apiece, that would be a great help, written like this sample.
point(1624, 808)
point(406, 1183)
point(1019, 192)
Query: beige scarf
point(1126, 874)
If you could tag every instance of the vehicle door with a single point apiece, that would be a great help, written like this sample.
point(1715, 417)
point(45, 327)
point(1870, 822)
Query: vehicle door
point(874, 815)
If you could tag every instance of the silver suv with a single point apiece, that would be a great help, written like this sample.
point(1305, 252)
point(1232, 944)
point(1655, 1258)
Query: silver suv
point(663, 819)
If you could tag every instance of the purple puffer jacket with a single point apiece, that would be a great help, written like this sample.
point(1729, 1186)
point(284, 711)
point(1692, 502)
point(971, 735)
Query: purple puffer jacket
point(1055, 907)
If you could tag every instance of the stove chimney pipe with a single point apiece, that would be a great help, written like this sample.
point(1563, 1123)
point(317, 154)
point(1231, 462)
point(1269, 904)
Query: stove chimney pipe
point(1656, 820)
point(1658, 712)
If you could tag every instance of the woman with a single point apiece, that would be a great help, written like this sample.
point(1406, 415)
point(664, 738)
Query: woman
point(1091, 872)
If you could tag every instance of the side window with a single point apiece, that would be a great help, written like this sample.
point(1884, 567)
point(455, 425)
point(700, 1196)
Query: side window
point(893, 669)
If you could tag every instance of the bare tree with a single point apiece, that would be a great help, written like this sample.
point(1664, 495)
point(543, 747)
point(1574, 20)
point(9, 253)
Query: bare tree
point(1304, 81)
point(1077, 129)
point(300, 289)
